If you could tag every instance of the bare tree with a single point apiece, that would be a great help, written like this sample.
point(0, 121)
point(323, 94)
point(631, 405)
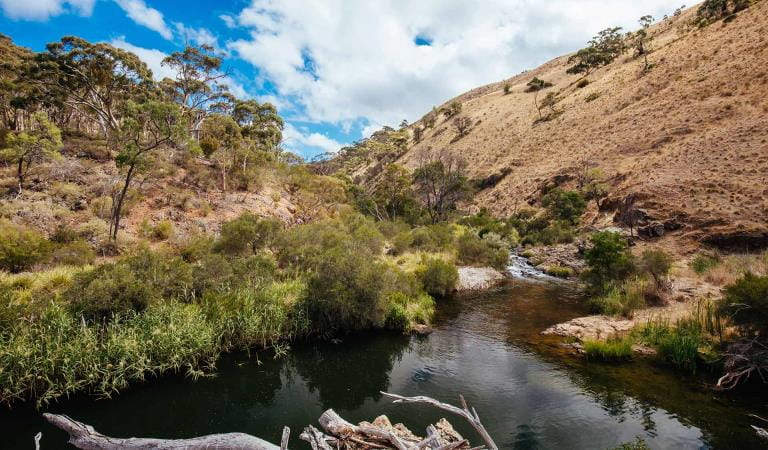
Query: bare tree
point(463, 125)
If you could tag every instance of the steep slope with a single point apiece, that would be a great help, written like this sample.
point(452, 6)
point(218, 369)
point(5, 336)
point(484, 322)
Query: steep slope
point(689, 138)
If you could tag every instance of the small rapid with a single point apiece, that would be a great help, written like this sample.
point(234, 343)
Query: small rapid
point(519, 267)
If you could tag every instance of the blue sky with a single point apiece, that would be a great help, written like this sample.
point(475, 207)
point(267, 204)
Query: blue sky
point(337, 69)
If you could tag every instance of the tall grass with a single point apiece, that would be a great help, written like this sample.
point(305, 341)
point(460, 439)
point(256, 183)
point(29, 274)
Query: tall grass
point(612, 350)
point(621, 299)
point(688, 340)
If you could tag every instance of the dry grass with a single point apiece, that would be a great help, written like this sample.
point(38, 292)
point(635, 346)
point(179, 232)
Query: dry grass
point(732, 267)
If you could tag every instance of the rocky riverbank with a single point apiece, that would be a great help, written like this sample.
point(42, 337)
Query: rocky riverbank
point(478, 278)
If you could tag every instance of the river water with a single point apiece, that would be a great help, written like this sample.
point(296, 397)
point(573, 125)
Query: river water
point(486, 346)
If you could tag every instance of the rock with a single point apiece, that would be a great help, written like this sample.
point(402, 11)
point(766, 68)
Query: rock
point(643, 350)
point(422, 329)
point(477, 278)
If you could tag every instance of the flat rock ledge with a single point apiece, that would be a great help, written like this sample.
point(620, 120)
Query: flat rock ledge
point(478, 278)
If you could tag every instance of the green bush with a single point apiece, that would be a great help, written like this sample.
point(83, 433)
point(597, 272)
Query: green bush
point(622, 299)
point(746, 302)
point(657, 264)
point(20, 247)
point(559, 271)
point(474, 251)
point(702, 263)
point(611, 350)
point(608, 260)
point(407, 311)
point(678, 344)
point(247, 233)
point(163, 230)
point(402, 242)
point(131, 284)
point(438, 277)
point(77, 253)
point(433, 238)
point(564, 205)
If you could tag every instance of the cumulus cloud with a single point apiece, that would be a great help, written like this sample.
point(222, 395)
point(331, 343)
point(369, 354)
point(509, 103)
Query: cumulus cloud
point(44, 9)
point(348, 60)
point(297, 140)
point(139, 12)
point(201, 36)
point(228, 20)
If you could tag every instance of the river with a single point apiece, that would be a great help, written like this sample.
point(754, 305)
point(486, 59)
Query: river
point(486, 346)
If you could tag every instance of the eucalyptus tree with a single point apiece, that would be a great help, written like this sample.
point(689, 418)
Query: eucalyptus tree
point(26, 148)
point(146, 127)
point(602, 50)
point(441, 183)
point(93, 79)
point(198, 85)
point(640, 40)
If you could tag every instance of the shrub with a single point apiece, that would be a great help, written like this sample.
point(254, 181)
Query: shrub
point(433, 238)
point(657, 264)
point(247, 233)
point(474, 251)
point(196, 247)
point(402, 242)
point(559, 271)
point(437, 276)
point(101, 207)
point(507, 88)
point(702, 263)
point(611, 350)
point(608, 260)
point(746, 302)
point(21, 248)
point(405, 311)
point(564, 205)
point(622, 300)
point(77, 253)
point(582, 83)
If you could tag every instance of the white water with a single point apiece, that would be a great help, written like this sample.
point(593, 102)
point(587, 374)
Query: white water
point(519, 267)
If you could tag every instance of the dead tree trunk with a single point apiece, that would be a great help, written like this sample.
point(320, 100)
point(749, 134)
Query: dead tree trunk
point(85, 437)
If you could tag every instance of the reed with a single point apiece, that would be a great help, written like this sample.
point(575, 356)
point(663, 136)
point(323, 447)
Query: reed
point(611, 350)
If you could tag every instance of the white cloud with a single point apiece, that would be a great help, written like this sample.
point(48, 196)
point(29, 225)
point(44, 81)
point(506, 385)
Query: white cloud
point(345, 59)
point(201, 36)
point(151, 57)
point(146, 16)
point(295, 139)
point(44, 9)
point(228, 20)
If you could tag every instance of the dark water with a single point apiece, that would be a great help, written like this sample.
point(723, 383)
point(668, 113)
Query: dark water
point(486, 346)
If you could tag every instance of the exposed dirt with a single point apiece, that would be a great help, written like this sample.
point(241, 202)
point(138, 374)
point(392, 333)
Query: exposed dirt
point(689, 137)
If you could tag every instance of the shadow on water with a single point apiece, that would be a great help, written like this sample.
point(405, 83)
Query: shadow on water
point(486, 346)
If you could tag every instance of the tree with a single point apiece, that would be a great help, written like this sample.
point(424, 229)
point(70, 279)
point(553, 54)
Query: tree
point(589, 180)
point(452, 110)
point(94, 79)
point(548, 101)
point(247, 234)
point(507, 88)
point(608, 259)
point(146, 127)
point(537, 84)
point(430, 118)
point(197, 86)
point(441, 183)
point(657, 264)
point(42, 141)
point(629, 214)
point(640, 40)
point(418, 133)
point(746, 302)
point(564, 205)
point(712, 10)
point(260, 122)
point(602, 50)
point(463, 125)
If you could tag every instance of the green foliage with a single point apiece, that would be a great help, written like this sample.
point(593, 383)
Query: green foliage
point(441, 183)
point(746, 303)
point(677, 344)
point(76, 253)
point(405, 312)
point(26, 148)
point(438, 277)
point(564, 205)
point(432, 238)
point(452, 110)
point(611, 350)
point(712, 10)
point(608, 259)
point(559, 271)
point(20, 247)
point(657, 264)
point(537, 84)
point(247, 234)
point(620, 299)
point(474, 251)
point(602, 50)
point(507, 88)
point(701, 263)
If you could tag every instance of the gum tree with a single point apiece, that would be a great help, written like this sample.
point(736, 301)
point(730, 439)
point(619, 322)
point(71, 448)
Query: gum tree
point(26, 148)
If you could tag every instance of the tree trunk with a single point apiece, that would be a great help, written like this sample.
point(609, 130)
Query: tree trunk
point(85, 437)
point(118, 207)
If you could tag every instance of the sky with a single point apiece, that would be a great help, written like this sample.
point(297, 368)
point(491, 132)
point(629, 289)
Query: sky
point(337, 70)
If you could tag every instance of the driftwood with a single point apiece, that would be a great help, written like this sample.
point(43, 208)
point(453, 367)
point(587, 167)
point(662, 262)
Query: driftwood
point(85, 437)
point(380, 434)
point(470, 415)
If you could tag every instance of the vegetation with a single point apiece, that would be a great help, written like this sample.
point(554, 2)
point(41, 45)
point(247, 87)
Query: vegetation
point(26, 148)
point(438, 277)
point(611, 350)
point(21, 248)
point(609, 260)
point(713, 10)
point(640, 41)
point(564, 205)
point(440, 184)
point(602, 50)
point(537, 84)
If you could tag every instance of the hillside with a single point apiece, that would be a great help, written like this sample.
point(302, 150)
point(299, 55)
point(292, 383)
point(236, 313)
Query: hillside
point(689, 138)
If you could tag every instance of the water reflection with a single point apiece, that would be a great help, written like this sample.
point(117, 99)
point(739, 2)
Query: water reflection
point(486, 346)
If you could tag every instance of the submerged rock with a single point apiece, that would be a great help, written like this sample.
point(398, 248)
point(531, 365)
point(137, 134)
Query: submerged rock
point(477, 278)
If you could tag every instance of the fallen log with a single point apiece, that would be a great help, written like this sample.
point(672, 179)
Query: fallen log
point(470, 415)
point(85, 437)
